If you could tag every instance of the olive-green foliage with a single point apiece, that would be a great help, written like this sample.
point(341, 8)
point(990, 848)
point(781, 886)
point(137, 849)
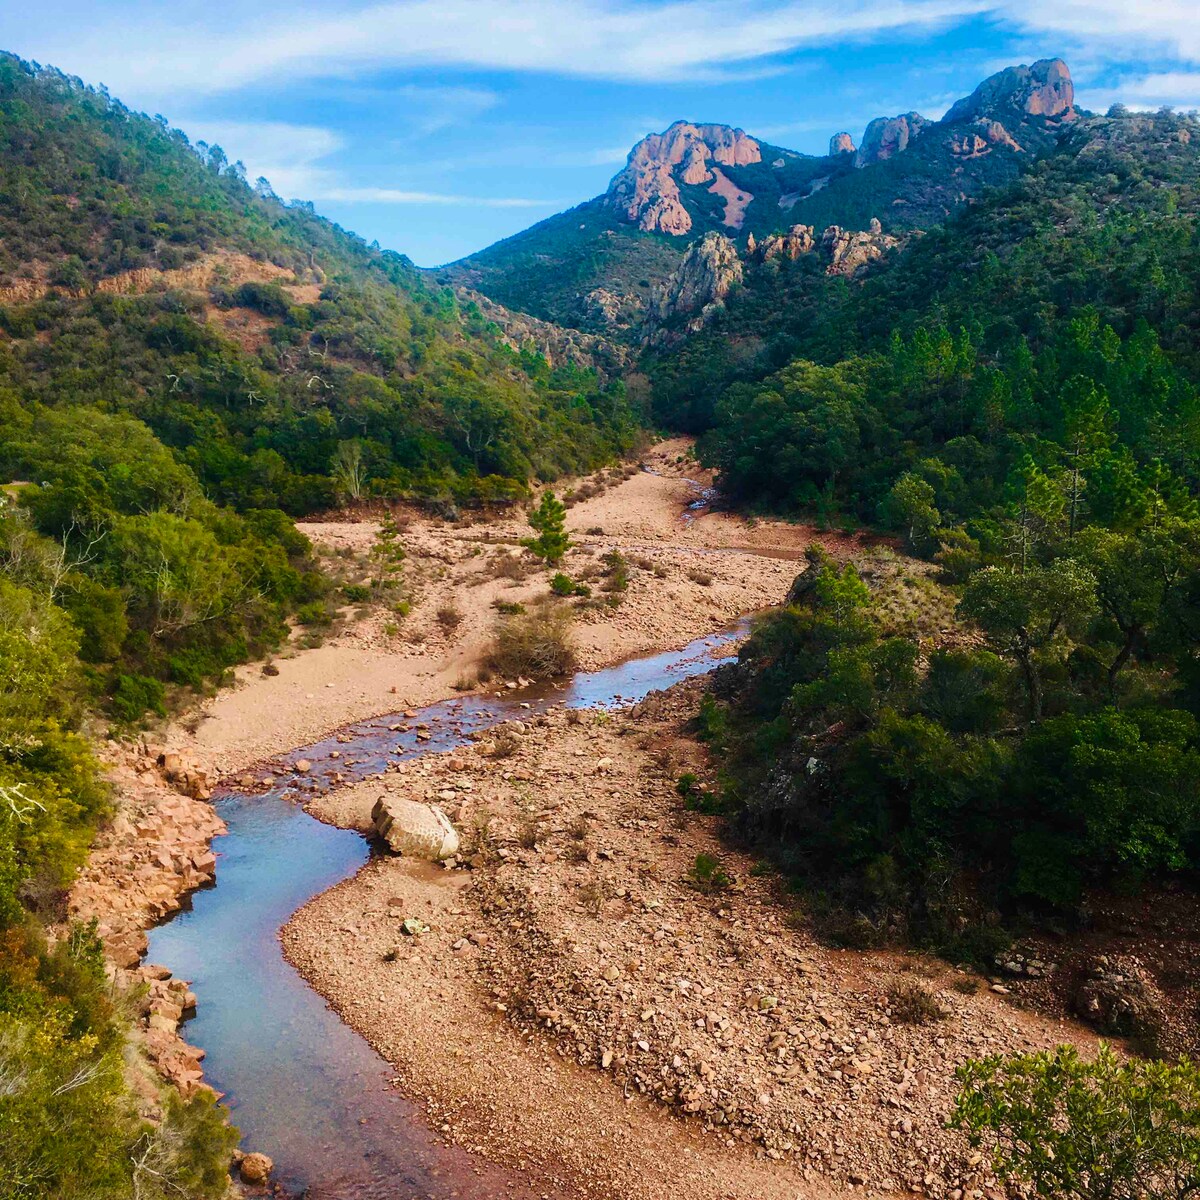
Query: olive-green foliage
point(160, 584)
point(1068, 1129)
point(928, 796)
point(68, 1126)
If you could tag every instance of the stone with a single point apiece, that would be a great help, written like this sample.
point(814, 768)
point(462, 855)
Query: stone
point(416, 829)
point(255, 1169)
point(840, 143)
point(303, 766)
point(1044, 89)
point(886, 137)
point(646, 191)
point(708, 273)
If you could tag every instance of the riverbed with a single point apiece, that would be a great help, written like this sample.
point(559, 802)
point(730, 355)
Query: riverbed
point(301, 1085)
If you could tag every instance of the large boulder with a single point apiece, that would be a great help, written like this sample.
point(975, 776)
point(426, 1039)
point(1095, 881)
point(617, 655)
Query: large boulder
point(416, 829)
point(1118, 997)
point(255, 1169)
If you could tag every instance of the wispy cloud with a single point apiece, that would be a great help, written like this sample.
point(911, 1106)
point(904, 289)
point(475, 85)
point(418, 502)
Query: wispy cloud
point(598, 39)
point(1123, 26)
point(293, 159)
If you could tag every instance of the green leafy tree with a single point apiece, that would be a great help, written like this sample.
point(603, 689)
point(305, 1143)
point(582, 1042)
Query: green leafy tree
point(548, 521)
point(910, 506)
point(1023, 614)
point(387, 552)
point(1067, 1129)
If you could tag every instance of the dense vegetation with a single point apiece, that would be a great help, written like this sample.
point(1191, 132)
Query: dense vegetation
point(254, 369)
point(185, 363)
point(1043, 450)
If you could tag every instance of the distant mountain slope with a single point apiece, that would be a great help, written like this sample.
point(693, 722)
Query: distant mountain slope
point(597, 266)
point(143, 274)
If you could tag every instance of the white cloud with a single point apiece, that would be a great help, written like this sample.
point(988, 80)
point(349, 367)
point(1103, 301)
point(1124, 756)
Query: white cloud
point(208, 51)
point(1124, 27)
point(383, 195)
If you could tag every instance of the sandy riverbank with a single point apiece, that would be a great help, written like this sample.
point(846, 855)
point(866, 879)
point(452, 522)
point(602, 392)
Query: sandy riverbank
point(690, 575)
point(576, 993)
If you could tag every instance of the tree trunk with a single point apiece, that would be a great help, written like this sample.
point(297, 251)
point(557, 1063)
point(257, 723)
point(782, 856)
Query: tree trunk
point(1033, 685)
point(1132, 634)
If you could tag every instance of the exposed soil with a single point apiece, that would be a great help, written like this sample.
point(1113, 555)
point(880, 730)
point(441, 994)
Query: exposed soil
point(689, 575)
point(586, 1007)
point(603, 977)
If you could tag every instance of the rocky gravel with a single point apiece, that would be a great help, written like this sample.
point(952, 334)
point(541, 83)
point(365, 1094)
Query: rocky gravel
point(577, 918)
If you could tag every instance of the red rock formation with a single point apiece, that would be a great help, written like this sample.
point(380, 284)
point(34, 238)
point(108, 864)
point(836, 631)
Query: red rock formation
point(840, 143)
point(1042, 90)
point(888, 136)
point(647, 192)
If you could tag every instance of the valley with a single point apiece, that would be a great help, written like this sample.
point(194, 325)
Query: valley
point(701, 696)
point(572, 941)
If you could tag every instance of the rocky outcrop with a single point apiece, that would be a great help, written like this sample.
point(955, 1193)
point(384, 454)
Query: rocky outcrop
point(152, 854)
point(557, 344)
point(850, 251)
point(980, 137)
point(414, 829)
point(840, 143)
point(1042, 90)
point(798, 240)
point(888, 136)
point(710, 270)
point(647, 190)
point(1118, 996)
point(847, 251)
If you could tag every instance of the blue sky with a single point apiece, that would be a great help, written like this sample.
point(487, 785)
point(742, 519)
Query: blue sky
point(438, 127)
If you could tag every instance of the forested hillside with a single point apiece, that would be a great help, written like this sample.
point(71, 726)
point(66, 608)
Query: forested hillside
point(1015, 396)
point(186, 363)
point(182, 356)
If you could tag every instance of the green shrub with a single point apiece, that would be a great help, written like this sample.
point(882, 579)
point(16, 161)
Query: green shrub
point(356, 593)
point(708, 875)
point(314, 614)
point(133, 696)
point(1065, 1129)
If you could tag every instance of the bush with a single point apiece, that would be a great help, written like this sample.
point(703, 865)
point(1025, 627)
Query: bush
point(313, 614)
point(536, 645)
point(356, 593)
point(1061, 1127)
point(564, 585)
point(133, 696)
point(707, 874)
point(912, 1004)
point(616, 570)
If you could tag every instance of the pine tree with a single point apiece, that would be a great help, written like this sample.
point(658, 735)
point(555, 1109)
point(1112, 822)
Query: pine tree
point(548, 520)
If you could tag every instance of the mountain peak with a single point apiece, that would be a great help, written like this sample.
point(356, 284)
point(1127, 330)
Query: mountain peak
point(646, 191)
point(1042, 90)
point(886, 137)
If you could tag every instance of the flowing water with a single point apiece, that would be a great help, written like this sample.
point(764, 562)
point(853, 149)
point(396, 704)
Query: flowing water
point(303, 1087)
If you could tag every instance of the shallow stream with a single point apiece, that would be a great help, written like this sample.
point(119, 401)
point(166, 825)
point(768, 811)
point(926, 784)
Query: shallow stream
point(302, 1086)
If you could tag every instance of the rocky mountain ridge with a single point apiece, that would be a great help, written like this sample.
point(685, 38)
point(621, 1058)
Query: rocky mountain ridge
point(602, 266)
point(712, 268)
